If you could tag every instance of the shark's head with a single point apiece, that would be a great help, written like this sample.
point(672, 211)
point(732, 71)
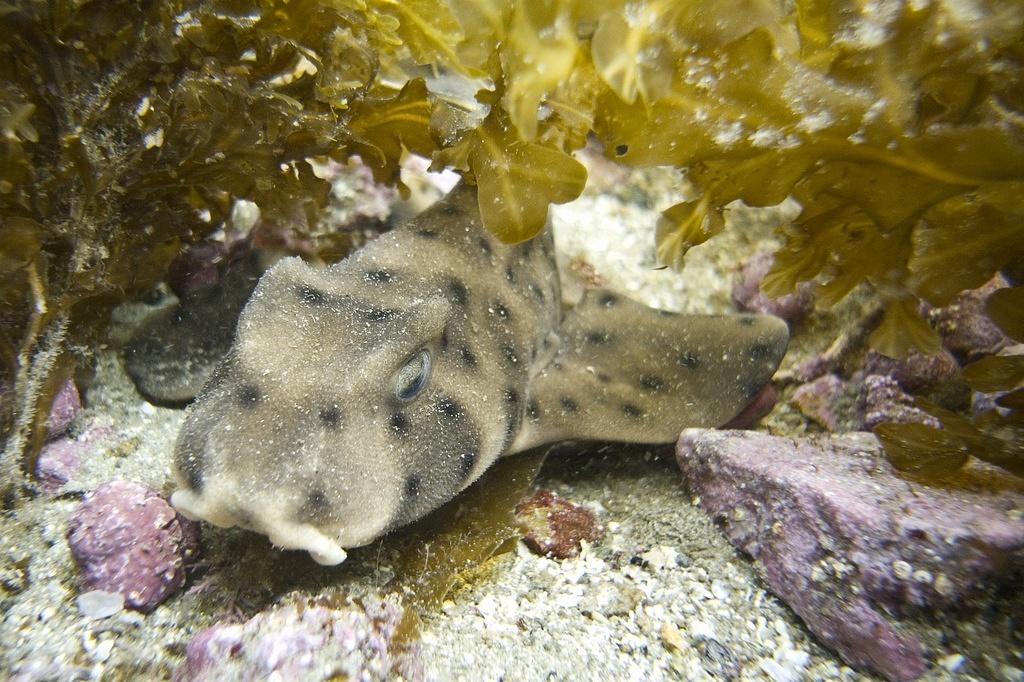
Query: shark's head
point(340, 411)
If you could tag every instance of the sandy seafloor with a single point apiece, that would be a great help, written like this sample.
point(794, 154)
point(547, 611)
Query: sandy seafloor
point(692, 609)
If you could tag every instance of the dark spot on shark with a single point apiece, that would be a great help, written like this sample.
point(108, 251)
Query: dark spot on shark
point(457, 292)
point(249, 395)
point(427, 233)
point(603, 378)
point(649, 382)
point(378, 276)
point(511, 396)
point(688, 360)
point(599, 338)
point(510, 432)
point(569, 405)
point(528, 247)
point(608, 300)
point(500, 310)
point(485, 247)
point(444, 338)
point(412, 485)
point(466, 462)
point(315, 506)
point(746, 320)
point(510, 354)
point(510, 275)
point(330, 416)
point(762, 351)
point(533, 411)
point(468, 359)
point(449, 408)
point(400, 423)
point(535, 291)
point(632, 411)
point(378, 314)
point(311, 295)
point(191, 462)
point(621, 149)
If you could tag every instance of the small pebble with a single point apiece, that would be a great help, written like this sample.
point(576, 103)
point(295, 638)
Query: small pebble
point(672, 637)
point(100, 652)
point(902, 570)
point(747, 294)
point(65, 407)
point(555, 527)
point(659, 558)
point(820, 400)
point(97, 604)
point(953, 662)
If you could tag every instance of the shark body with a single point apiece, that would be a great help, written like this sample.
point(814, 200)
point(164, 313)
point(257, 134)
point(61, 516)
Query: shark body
point(358, 397)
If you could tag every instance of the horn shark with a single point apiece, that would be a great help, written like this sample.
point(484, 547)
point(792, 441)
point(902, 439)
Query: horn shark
point(358, 397)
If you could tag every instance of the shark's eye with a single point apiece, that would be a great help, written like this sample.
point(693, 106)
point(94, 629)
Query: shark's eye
point(411, 379)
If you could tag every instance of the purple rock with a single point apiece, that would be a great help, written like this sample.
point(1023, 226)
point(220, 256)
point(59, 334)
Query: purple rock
point(59, 459)
point(822, 400)
point(65, 407)
point(555, 527)
point(965, 327)
point(299, 641)
point(917, 371)
point(747, 294)
point(885, 401)
point(196, 267)
point(128, 539)
point(846, 542)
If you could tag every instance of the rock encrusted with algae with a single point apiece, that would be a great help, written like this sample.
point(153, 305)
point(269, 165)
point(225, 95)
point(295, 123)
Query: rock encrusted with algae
point(304, 641)
point(556, 527)
point(850, 545)
point(127, 539)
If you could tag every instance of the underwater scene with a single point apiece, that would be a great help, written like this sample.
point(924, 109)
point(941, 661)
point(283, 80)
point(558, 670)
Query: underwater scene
point(512, 340)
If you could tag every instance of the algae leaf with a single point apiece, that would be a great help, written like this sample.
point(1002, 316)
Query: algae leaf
point(1006, 308)
point(517, 180)
point(384, 128)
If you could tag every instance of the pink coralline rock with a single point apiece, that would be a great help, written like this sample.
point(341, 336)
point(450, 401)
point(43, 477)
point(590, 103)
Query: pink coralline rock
point(300, 641)
point(65, 407)
point(846, 542)
point(126, 538)
point(196, 267)
point(823, 400)
point(555, 527)
point(747, 294)
point(917, 371)
point(885, 402)
point(965, 327)
point(59, 459)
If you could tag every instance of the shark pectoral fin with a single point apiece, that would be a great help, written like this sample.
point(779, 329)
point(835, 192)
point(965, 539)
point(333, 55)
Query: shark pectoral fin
point(626, 372)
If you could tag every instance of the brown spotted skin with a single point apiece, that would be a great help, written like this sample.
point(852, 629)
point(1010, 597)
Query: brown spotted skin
point(307, 433)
